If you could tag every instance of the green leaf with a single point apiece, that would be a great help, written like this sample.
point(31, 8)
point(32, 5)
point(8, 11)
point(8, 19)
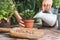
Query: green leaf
point(27, 14)
point(6, 9)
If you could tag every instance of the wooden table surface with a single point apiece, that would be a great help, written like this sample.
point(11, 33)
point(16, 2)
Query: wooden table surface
point(50, 34)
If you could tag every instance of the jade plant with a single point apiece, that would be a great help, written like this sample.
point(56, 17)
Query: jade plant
point(27, 14)
point(6, 9)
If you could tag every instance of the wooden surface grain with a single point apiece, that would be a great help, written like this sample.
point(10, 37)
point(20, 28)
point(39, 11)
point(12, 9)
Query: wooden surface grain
point(50, 34)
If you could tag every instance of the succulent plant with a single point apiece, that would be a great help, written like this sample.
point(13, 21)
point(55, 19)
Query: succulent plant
point(27, 14)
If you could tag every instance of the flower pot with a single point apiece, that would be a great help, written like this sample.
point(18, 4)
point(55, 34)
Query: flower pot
point(29, 23)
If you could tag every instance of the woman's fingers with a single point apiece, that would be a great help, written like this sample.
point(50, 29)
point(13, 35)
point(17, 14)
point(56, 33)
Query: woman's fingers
point(21, 25)
point(21, 21)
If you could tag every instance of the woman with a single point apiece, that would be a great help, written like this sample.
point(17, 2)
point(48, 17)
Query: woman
point(46, 6)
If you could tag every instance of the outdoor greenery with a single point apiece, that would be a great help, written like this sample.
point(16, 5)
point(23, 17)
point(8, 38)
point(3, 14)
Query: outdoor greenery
point(22, 5)
point(56, 3)
point(6, 9)
point(27, 14)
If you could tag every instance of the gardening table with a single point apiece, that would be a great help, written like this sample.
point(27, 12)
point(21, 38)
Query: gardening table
point(50, 34)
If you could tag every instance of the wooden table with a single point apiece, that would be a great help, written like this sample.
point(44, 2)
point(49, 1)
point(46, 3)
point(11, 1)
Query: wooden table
point(50, 34)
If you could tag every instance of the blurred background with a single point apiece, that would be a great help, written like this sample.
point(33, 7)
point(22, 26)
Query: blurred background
point(35, 5)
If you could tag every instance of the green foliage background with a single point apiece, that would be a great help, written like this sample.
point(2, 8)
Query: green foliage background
point(56, 3)
point(22, 5)
point(6, 9)
point(35, 5)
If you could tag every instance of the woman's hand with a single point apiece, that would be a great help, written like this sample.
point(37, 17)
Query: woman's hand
point(21, 24)
point(46, 5)
point(19, 19)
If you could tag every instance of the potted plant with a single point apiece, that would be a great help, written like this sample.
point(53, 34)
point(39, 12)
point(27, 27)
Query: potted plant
point(27, 16)
point(6, 11)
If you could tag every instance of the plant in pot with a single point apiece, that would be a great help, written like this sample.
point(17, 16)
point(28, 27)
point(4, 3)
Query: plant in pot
point(27, 16)
point(6, 11)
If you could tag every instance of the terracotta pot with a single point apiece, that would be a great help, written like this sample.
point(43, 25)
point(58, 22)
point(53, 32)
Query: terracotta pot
point(29, 23)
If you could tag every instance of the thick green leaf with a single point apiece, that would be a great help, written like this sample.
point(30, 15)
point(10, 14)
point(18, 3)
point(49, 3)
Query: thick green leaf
point(27, 14)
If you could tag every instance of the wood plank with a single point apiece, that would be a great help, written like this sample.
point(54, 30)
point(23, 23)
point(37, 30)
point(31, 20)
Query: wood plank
point(49, 35)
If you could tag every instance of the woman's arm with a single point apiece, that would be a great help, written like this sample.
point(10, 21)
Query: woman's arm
point(19, 19)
